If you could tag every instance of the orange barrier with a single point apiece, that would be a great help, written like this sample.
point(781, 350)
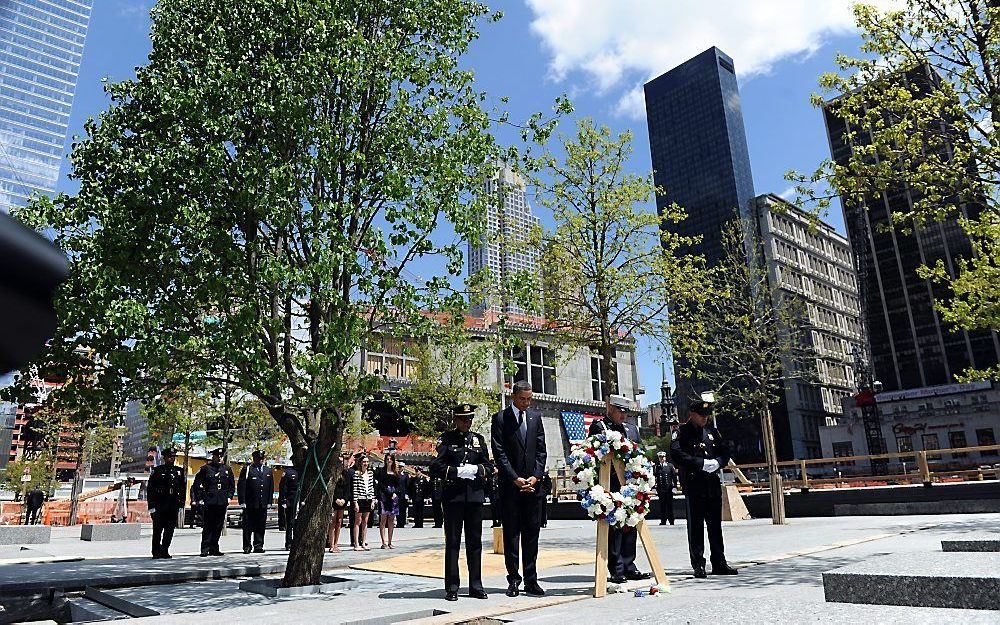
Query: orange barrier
point(57, 512)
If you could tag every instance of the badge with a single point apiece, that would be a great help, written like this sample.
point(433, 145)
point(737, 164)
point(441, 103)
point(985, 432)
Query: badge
point(701, 445)
point(711, 438)
point(673, 436)
point(475, 443)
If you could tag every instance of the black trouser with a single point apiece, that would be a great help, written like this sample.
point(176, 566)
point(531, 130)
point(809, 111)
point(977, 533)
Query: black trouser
point(457, 515)
point(290, 514)
point(545, 511)
point(521, 518)
point(254, 520)
point(438, 511)
point(350, 522)
point(164, 522)
point(704, 508)
point(418, 513)
point(401, 517)
point(621, 551)
point(213, 518)
point(32, 515)
point(666, 507)
point(496, 509)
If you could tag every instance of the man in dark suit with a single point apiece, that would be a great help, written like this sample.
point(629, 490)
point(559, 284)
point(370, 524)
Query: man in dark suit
point(165, 496)
point(621, 542)
point(700, 453)
point(33, 503)
point(518, 442)
point(256, 494)
point(666, 481)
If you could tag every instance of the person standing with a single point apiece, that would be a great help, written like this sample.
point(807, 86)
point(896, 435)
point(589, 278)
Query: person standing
point(288, 489)
point(418, 491)
point(437, 489)
point(342, 500)
point(666, 481)
point(700, 453)
point(256, 495)
point(463, 464)
point(518, 442)
point(33, 503)
point(363, 493)
point(546, 491)
point(214, 485)
point(621, 541)
point(389, 495)
point(404, 491)
point(493, 492)
point(165, 497)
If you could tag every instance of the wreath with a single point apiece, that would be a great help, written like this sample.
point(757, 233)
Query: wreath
point(625, 508)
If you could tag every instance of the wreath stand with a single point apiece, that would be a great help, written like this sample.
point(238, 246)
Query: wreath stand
point(601, 565)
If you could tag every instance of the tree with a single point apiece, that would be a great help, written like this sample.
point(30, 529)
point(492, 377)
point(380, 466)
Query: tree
point(250, 202)
point(747, 339)
point(611, 265)
point(181, 410)
point(935, 135)
point(39, 470)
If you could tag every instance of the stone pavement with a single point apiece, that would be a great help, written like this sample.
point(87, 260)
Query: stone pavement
point(780, 579)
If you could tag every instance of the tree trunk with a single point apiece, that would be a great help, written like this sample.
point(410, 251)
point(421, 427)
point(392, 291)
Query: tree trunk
point(771, 456)
point(227, 395)
point(74, 496)
point(312, 523)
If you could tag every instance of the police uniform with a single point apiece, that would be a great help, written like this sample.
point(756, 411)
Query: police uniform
point(622, 542)
point(164, 496)
point(214, 486)
point(691, 447)
point(666, 480)
point(255, 491)
point(463, 496)
point(287, 499)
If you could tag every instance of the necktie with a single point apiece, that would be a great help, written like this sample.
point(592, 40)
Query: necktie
point(522, 426)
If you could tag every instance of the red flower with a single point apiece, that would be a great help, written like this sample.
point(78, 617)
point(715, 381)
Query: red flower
point(640, 508)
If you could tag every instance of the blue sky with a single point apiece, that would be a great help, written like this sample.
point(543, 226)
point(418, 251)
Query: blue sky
point(599, 52)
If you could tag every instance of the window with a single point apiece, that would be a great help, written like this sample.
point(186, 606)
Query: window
point(392, 359)
point(536, 364)
point(904, 444)
point(843, 450)
point(956, 440)
point(985, 436)
point(930, 442)
point(598, 373)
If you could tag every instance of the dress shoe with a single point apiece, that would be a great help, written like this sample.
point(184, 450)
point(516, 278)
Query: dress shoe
point(636, 575)
point(217, 553)
point(166, 556)
point(261, 550)
point(512, 590)
point(204, 554)
point(157, 556)
point(534, 590)
point(478, 593)
point(617, 579)
point(723, 569)
point(451, 596)
point(699, 572)
point(246, 551)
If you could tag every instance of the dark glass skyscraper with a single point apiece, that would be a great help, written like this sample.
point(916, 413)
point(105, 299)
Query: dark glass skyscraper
point(699, 147)
point(911, 346)
point(41, 45)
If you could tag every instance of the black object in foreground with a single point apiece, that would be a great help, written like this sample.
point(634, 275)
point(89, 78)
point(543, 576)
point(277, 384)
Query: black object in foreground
point(30, 270)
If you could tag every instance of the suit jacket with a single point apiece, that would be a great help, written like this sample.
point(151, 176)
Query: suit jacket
point(515, 458)
point(600, 426)
point(288, 486)
point(256, 487)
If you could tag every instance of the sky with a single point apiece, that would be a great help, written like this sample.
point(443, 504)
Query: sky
point(599, 53)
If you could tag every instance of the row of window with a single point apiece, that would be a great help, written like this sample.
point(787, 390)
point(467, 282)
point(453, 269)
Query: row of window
point(956, 440)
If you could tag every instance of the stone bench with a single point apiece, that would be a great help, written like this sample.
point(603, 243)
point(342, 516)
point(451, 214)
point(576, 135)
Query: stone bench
point(984, 542)
point(25, 534)
point(932, 580)
point(110, 531)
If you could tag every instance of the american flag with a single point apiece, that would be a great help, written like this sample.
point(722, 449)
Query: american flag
point(577, 425)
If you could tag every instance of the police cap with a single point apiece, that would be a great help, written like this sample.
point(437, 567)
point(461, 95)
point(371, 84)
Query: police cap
point(168, 452)
point(704, 405)
point(465, 412)
point(620, 401)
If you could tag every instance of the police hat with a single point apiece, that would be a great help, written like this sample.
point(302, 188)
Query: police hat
point(621, 402)
point(704, 405)
point(216, 452)
point(661, 453)
point(257, 454)
point(463, 411)
point(169, 451)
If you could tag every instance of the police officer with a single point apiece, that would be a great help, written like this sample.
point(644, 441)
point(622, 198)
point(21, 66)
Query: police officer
point(666, 481)
point(700, 453)
point(165, 497)
point(437, 488)
point(621, 542)
point(287, 500)
point(256, 494)
point(214, 485)
point(418, 494)
point(463, 464)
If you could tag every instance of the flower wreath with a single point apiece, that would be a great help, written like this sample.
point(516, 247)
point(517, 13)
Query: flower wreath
point(625, 508)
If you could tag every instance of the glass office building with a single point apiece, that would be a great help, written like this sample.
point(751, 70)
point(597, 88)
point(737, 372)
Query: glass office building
point(699, 147)
point(41, 45)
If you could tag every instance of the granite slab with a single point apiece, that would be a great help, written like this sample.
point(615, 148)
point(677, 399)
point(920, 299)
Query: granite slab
point(25, 534)
point(975, 542)
point(271, 587)
point(936, 579)
point(110, 531)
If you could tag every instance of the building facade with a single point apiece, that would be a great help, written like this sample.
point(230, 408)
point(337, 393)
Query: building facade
point(700, 158)
point(949, 416)
point(504, 251)
point(41, 46)
point(807, 259)
point(911, 346)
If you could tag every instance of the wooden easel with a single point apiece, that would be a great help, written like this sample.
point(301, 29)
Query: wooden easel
point(601, 565)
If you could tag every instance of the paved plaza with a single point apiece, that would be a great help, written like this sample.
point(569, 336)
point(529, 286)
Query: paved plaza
point(780, 578)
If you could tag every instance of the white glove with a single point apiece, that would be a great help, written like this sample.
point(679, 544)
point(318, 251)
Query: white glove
point(152, 510)
point(711, 466)
point(467, 471)
point(243, 505)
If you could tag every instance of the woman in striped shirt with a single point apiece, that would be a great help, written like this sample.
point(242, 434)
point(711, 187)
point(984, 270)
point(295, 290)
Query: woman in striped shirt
point(363, 489)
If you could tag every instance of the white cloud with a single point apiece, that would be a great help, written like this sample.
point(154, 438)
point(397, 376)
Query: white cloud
point(619, 44)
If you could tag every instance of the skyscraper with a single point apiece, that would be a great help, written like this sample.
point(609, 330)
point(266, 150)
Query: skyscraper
point(41, 46)
point(911, 346)
point(504, 249)
point(699, 147)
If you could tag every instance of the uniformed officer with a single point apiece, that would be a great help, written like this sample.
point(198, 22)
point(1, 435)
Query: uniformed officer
point(288, 502)
point(213, 487)
point(463, 464)
point(699, 453)
point(165, 497)
point(255, 491)
point(666, 481)
point(621, 542)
